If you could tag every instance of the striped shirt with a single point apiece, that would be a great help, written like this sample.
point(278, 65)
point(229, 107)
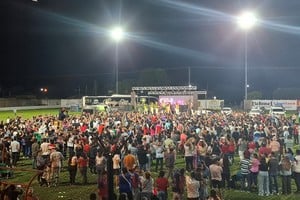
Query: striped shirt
point(245, 166)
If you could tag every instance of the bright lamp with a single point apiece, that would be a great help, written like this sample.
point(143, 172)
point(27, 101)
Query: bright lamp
point(247, 20)
point(117, 34)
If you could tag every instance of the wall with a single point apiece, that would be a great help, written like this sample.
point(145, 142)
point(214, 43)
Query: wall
point(24, 104)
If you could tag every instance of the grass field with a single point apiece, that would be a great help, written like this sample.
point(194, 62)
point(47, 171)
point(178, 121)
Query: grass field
point(27, 113)
point(81, 192)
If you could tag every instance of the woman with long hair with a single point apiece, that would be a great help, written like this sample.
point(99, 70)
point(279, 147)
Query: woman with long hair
point(254, 169)
point(263, 178)
point(72, 168)
point(189, 149)
point(201, 150)
point(147, 185)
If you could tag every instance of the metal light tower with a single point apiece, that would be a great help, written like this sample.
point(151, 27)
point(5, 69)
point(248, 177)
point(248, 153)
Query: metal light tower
point(246, 21)
point(117, 34)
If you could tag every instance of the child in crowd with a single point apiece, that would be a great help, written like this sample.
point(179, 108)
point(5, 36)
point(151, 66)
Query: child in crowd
point(45, 179)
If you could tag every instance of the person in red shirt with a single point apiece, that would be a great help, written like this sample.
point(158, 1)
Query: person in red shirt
point(225, 147)
point(86, 148)
point(153, 119)
point(183, 138)
point(251, 146)
point(101, 128)
point(146, 129)
point(158, 128)
point(83, 128)
point(82, 164)
point(264, 150)
point(162, 185)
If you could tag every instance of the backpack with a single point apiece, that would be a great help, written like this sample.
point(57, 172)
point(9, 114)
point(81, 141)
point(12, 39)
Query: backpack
point(286, 165)
point(41, 162)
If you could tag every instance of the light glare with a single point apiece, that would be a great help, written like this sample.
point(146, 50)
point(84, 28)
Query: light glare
point(117, 34)
point(247, 20)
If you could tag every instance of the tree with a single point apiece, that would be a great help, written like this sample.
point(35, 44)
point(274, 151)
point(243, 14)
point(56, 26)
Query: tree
point(255, 95)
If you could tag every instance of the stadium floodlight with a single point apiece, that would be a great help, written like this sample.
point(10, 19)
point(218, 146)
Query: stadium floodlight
point(247, 20)
point(117, 33)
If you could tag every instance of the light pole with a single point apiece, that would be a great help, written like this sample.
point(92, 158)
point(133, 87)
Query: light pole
point(246, 21)
point(117, 35)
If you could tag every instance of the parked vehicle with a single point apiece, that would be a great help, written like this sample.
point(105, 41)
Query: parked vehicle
point(226, 110)
point(277, 111)
point(204, 112)
point(255, 111)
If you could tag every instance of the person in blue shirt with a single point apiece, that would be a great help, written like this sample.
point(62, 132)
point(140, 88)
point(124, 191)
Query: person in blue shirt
point(125, 184)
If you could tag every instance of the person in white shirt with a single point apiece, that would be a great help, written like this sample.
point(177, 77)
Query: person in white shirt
point(192, 187)
point(45, 148)
point(159, 155)
point(15, 151)
point(70, 145)
point(285, 134)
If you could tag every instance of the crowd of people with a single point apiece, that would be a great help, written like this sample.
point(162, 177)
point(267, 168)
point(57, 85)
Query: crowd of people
point(146, 149)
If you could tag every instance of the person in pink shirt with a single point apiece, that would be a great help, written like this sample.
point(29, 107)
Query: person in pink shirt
point(183, 138)
point(254, 170)
point(275, 146)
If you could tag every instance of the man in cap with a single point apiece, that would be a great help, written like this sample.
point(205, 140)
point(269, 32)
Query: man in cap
point(56, 159)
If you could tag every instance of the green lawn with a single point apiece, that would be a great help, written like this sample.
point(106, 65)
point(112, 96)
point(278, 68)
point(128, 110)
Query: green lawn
point(81, 192)
point(26, 114)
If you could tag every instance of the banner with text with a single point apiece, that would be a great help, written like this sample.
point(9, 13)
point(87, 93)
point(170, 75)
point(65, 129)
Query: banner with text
point(267, 104)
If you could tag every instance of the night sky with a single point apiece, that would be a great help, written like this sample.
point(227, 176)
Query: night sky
point(64, 45)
